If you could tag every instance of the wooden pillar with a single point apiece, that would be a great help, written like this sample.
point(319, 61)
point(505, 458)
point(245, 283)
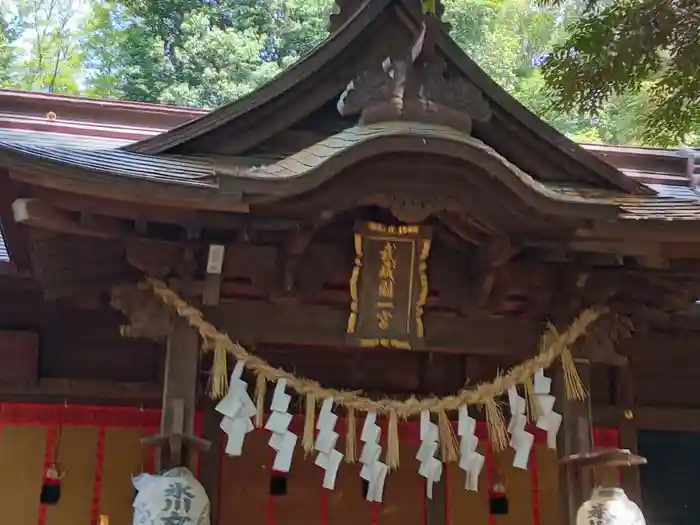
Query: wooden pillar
point(179, 400)
point(436, 508)
point(575, 436)
point(210, 463)
point(179, 388)
point(624, 399)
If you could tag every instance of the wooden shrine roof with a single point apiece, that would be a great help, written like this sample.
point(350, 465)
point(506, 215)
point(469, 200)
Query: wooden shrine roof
point(319, 78)
point(211, 182)
point(663, 170)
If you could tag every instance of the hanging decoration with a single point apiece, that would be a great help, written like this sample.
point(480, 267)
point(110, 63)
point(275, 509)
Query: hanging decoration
point(373, 471)
point(51, 486)
point(608, 505)
point(548, 420)
point(498, 500)
point(521, 440)
point(470, 461)
point(552, 346)
point(282, 440)
point(238, 410)
point(328, 457)
point(430, 466)
point(174, 496)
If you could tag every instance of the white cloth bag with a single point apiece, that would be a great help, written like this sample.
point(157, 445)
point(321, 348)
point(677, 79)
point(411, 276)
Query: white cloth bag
point(172, 498)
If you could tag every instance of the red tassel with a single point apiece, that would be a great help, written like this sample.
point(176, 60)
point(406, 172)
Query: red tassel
point(51, 488)
point(498, 500)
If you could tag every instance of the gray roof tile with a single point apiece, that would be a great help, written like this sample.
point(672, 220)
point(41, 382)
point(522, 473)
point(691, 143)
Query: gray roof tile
point(47, 139)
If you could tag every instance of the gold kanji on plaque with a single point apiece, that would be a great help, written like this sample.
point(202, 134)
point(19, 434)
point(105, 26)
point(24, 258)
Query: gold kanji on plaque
point(389, 285)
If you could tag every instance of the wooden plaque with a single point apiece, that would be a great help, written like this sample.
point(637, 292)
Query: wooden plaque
point(389, 285)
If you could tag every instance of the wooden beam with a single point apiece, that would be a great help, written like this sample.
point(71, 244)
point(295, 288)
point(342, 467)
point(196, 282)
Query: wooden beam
point(153, 212)
point(90, 221)
point(55, 389)
point(14, 234)
point(38, 214)
point(212, 280)
point(651, 231)
point(260, 321)
point(665, 419)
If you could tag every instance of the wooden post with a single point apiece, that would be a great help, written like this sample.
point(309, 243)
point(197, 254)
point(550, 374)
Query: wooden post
point(181, 371)
point(624, 399)
point(177, 432)
point(575, 437)
point(436, 508)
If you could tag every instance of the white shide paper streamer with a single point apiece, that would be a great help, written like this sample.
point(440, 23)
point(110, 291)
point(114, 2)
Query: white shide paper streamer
point(373, 470)
point(549, 420)
point(238, 410)
point(520, 439)
point(430, 466)
point(470, 461)
point(328, 457)
point(282, 440)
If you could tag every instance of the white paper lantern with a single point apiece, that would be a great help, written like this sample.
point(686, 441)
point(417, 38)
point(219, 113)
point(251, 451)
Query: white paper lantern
point(609, 506)
point(174, 496)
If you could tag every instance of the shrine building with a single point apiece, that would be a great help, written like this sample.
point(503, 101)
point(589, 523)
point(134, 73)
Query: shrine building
point(379, 232)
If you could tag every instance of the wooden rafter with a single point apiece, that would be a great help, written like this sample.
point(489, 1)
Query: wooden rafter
point(38, 214)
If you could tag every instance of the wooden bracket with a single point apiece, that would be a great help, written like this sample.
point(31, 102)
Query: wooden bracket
point(176, 439)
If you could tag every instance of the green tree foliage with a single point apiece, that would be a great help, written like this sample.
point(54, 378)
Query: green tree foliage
point(195, 53)
point(8, 34)
point(205, 53)
point(42, 45)
point(646, 51)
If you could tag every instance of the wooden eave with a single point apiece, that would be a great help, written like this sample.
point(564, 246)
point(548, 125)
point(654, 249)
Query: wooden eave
point(135, 178)
point(211, 184)
point(514, 131)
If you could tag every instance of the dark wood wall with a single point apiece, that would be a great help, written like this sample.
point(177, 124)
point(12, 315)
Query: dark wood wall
point(77, 343)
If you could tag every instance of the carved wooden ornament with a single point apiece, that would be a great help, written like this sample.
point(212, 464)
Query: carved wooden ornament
point(389, 285)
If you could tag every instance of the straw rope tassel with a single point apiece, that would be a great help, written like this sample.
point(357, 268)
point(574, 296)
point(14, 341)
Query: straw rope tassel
point(449, 448)
point(219, 372)
point(392, 441)
point(307, 440)
point(260, 394)
point(351, 437)
point(575, 389)
point(497, 425)
point(532, 407)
